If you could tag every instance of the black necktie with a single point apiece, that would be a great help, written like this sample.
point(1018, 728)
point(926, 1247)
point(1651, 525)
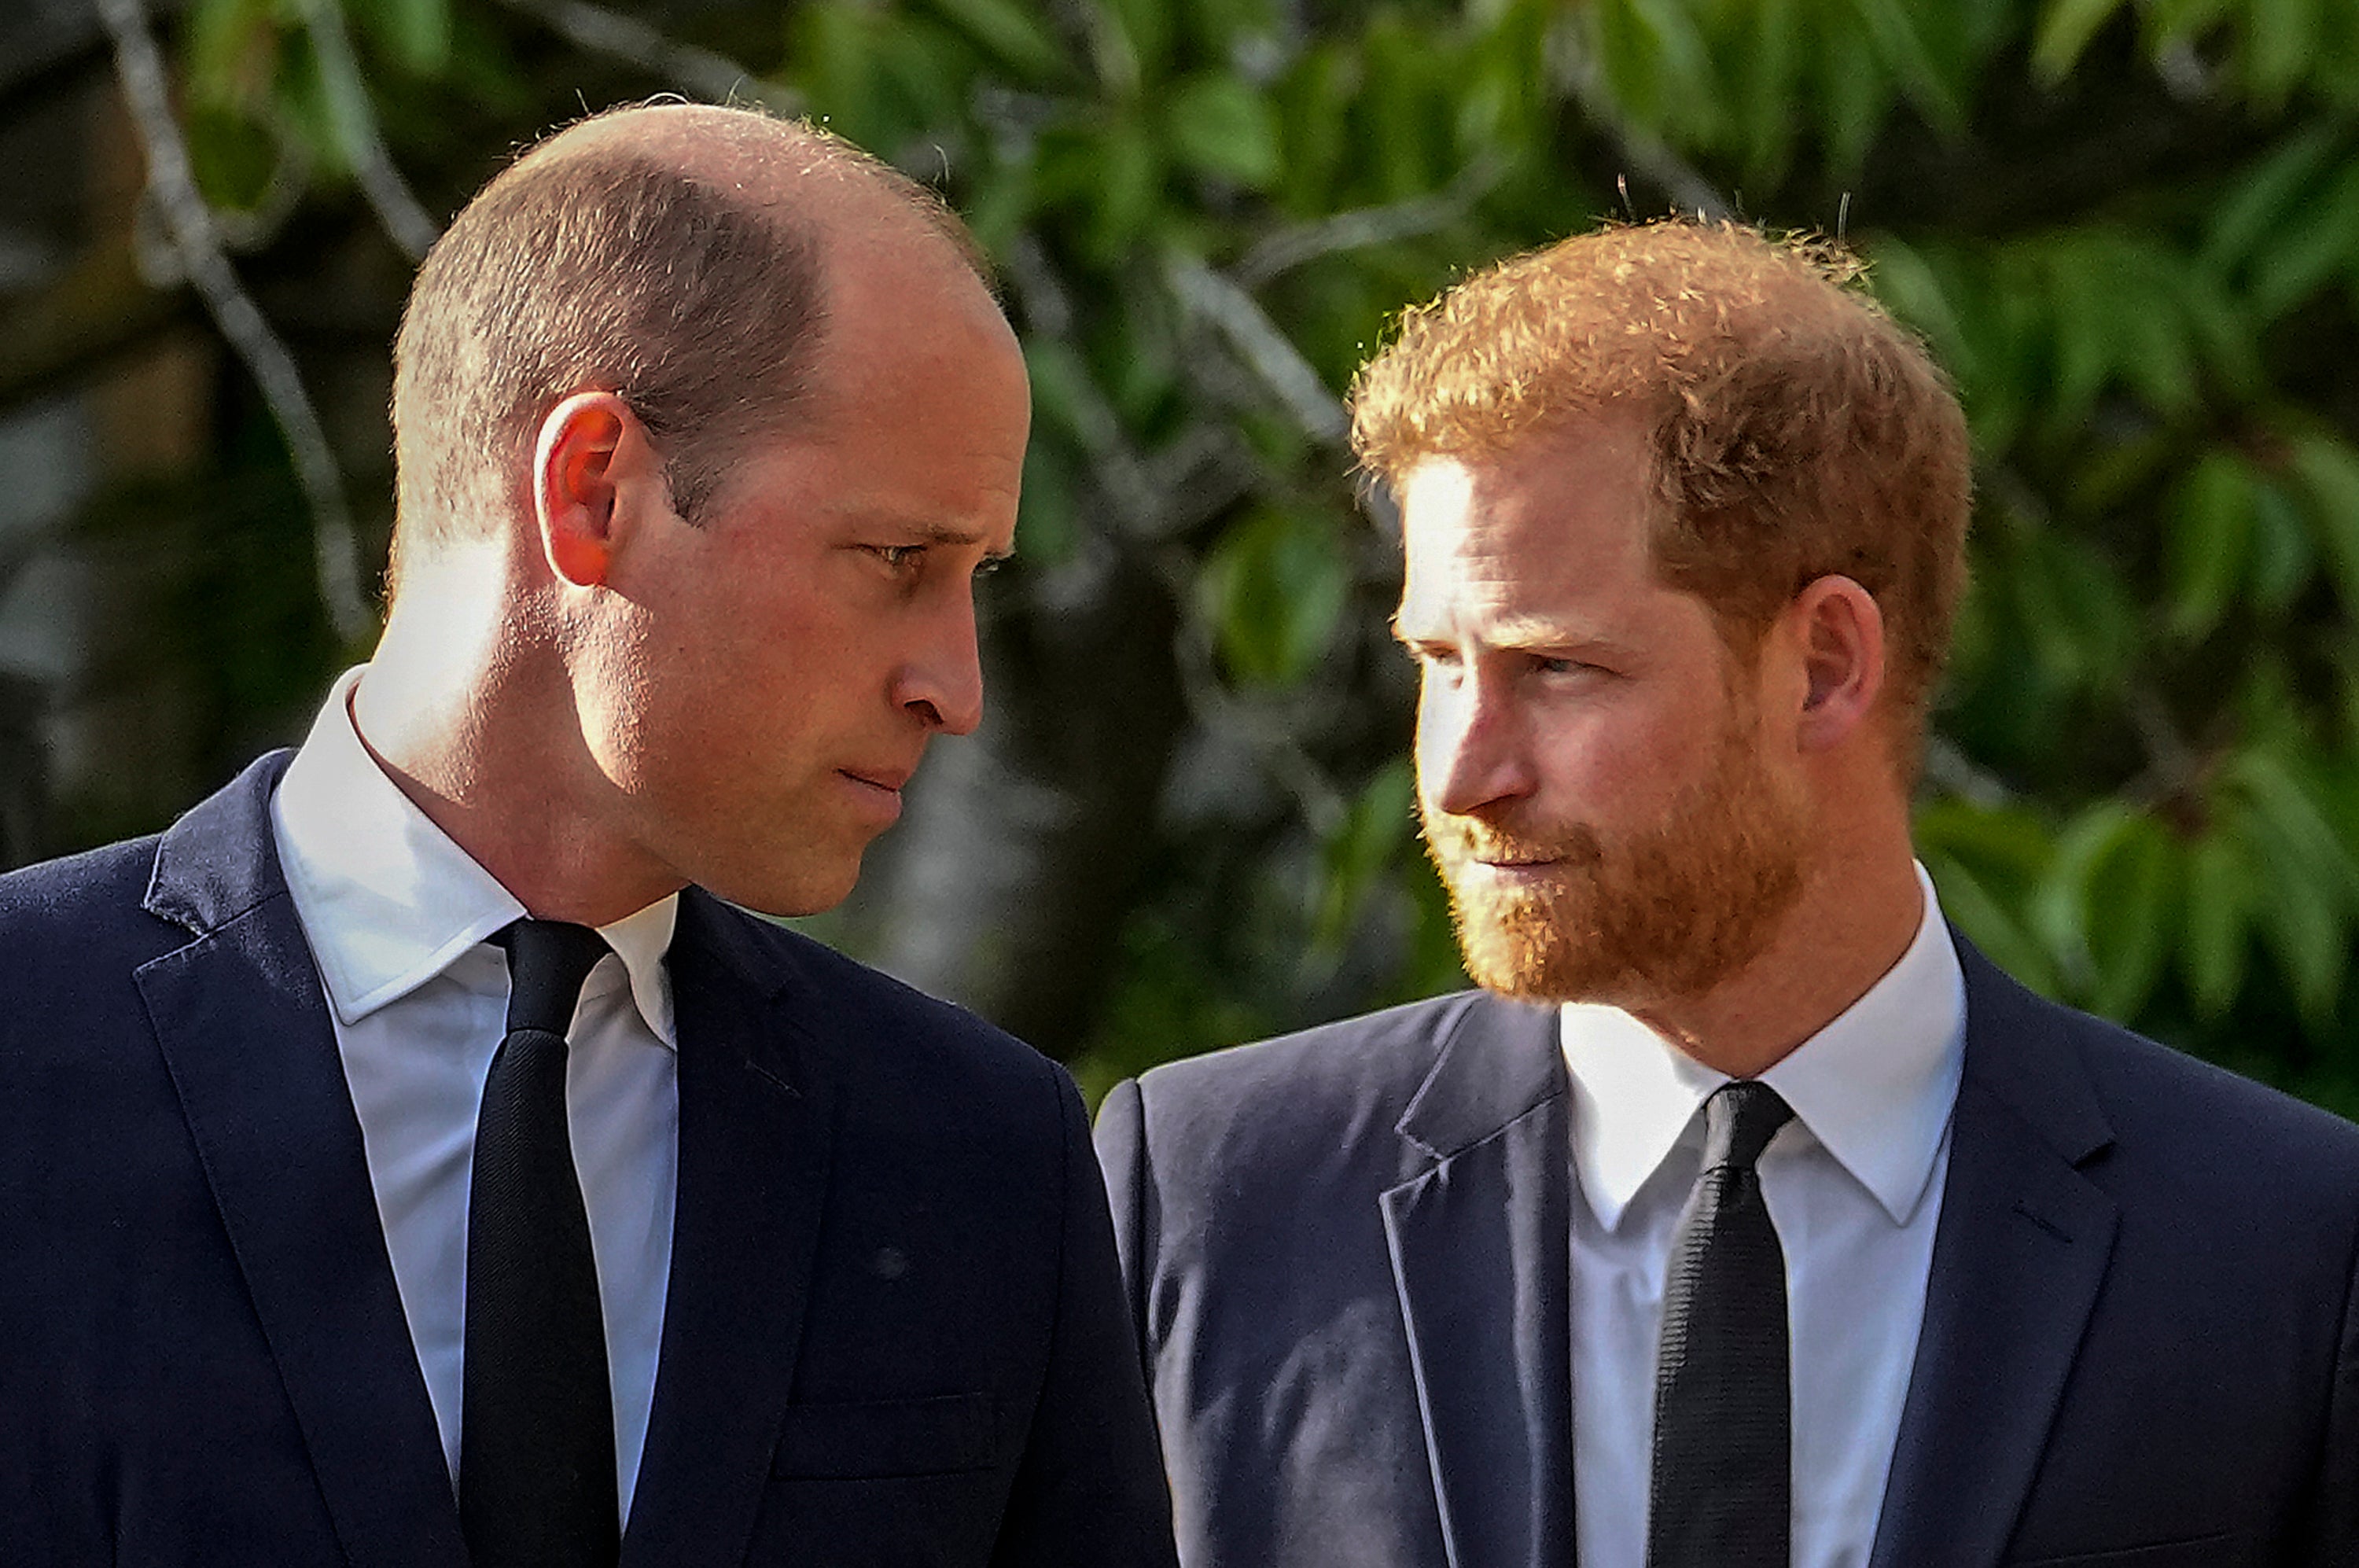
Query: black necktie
point(1722, 1492)
point(536, 1421)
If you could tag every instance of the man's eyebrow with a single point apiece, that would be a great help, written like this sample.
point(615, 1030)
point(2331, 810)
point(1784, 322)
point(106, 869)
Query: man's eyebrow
point(932, 532)
point(1523, 634)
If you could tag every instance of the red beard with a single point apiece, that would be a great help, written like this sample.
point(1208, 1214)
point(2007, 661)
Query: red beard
point(1662, 914)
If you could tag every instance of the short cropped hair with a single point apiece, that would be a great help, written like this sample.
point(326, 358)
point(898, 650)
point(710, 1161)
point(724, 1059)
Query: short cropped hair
point(599, 266)
point(1798, 430)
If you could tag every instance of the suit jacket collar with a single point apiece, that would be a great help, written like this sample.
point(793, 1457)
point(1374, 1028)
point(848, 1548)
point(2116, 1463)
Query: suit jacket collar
point(2019, 1256)
point(756, 1129)
point(1498, 1060)
point(240, 1016)
point(1480, 1251)
point(240, 1019)
point(217, 862)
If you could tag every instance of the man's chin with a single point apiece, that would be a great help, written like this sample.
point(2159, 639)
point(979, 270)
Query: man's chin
point(1546, 971)
point(788, 893)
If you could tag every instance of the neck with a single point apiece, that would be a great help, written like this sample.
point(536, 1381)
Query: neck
point(1854, 919)
point(469, 708)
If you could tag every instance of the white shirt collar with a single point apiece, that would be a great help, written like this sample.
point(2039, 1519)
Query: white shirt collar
point(388, 901)
point(1875, 1086)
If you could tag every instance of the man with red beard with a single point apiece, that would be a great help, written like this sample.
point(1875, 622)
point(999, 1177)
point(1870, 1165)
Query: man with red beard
point(1746, 1217)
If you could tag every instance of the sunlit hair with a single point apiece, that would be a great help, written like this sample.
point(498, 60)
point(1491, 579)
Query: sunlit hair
point(590, 264)
point(1798, 430)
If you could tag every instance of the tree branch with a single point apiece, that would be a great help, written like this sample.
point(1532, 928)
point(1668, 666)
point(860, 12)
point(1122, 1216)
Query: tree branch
point(1366, 227)
point(1268, 350)
point(389, 194)
point(619, 37)
point(199, 244)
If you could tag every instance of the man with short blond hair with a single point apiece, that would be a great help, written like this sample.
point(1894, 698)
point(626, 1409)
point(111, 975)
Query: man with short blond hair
point(1747, 1217)
point(418, 1156)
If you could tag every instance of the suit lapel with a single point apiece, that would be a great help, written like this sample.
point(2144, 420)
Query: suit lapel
point(1481, 1253)
point(754, 1134)
point(245, 1032)
point(2019, 1254)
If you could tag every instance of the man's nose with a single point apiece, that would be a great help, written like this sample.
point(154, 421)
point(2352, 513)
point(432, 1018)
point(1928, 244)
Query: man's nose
point(1472, 747)
point(943, 683)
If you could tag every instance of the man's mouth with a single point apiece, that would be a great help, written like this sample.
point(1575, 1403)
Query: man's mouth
point(890, 780)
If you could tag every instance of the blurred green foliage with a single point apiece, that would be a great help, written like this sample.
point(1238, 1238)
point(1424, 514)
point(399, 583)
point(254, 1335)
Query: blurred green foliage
point(2130, 230)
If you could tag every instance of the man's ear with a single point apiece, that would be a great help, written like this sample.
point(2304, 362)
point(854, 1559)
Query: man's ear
point(1839, 631)
point(592, 471)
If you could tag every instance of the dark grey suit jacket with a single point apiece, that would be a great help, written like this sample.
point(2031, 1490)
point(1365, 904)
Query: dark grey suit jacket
point(1349, 1257)
point(894, 1336)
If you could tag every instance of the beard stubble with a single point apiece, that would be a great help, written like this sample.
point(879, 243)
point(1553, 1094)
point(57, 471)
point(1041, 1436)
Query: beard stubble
point(1664, 913)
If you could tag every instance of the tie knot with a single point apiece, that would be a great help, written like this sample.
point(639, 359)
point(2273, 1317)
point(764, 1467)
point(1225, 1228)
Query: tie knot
point(548, 961)
point(1739, 1120)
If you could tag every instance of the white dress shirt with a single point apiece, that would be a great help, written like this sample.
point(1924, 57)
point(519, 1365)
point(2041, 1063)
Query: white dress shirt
point(1853, 1184)
point(397, 916)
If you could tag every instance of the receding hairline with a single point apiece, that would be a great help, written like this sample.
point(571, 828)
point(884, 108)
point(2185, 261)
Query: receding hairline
point(806, 175)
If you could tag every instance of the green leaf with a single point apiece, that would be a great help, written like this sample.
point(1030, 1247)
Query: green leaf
point(2133, 896)
point(2179, 21)
point(2305, 931)
point(2211, 540)
point(2322, 244)
point(2110, 904)
point(1769, 80)
point(1275, 589)
point(232, 157)
point(1313, 101)
point(838, 50)
point(1909, 287)
point(2006, 848)
point(1049, 526)
point(1856, 94)
point(1113, 174)
point(1403, 111)
point(1062, 397)
point(1219, 126)
point(351, 118)
point(2280, 37)
point(1362, 848)
point(1130, 39)
point(1888, 22)
point(2222, 894)
point(230, 48)
point(2065, 28)
point(1014, 35)
point(2261, 199)
point(2287, 803)
point(2328, 472)
point(1657, 68)
point(416, 32)
point(1990, 925)
point(2284, 560)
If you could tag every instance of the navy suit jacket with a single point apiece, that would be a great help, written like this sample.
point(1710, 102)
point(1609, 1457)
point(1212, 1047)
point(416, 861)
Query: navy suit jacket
point(1348, 1253)
point(894, 1336)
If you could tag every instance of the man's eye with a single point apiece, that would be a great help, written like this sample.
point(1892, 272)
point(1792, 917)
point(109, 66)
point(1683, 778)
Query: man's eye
point(898, 557)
